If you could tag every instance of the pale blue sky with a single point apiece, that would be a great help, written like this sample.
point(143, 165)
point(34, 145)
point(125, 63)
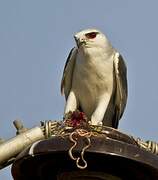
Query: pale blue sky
point(35, 39)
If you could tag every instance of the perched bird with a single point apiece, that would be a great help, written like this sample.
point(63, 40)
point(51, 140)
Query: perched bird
point(94, 79)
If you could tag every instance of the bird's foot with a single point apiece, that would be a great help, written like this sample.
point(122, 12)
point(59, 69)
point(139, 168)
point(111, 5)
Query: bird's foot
point(94, 122)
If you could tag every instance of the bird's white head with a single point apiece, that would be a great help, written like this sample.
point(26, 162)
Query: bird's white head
point(91, 38)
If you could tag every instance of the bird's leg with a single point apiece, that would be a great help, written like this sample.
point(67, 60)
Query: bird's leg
point(71, 103)
point(98, 114)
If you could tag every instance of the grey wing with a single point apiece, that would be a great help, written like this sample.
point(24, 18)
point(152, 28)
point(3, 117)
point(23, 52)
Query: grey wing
point(66, 81)
point(120, 72)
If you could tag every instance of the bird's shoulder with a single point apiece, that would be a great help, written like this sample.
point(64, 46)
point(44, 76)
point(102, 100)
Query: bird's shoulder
point(119, 64)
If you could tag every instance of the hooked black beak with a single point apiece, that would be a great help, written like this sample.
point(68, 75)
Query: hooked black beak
point(79, 42)
point(76, 39)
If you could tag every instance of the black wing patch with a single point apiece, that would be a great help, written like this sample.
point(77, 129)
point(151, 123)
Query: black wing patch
point(68, 72)
point(121, 89)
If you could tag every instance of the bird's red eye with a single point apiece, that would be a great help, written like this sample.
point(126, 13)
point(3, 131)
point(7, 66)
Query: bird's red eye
point(91, 35)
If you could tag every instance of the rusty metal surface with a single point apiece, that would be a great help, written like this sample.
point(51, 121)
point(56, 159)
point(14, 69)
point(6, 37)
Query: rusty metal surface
point(10, 149)
point(49, 159)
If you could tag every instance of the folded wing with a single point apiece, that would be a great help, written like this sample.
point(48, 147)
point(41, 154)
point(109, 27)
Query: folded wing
point(121, 92)
point(68, 73)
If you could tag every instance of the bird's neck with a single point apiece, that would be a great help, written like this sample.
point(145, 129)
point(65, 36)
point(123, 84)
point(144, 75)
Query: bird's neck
point(96, 51)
